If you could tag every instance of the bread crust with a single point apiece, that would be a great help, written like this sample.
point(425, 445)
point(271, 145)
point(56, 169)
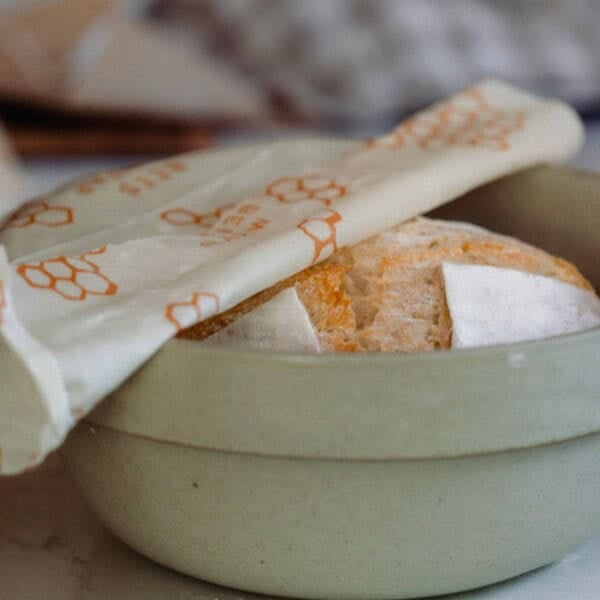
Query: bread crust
point(387, 293)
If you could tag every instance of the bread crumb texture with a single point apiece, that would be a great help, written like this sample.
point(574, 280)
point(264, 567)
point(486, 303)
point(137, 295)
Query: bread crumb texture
point(387, 294)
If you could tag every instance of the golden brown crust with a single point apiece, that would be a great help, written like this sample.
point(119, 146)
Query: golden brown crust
point(387, 293)
point(319, 289)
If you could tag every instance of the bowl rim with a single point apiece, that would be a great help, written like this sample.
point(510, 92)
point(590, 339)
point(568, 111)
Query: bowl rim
point(384, 405)
point(392, 357)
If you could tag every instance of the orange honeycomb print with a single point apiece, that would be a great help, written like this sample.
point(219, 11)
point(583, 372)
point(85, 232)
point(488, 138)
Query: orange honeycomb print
point(289, 190)
point(466, 120)
point(73, 278)
point(201, 305)
point(40, 212)
point(322, 232)
point(183, 216)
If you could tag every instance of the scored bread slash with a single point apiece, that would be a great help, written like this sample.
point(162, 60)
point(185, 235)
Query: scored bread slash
point(281, 323)
point(489, 305)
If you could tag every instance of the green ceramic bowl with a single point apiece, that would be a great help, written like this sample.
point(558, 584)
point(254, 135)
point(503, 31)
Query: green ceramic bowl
point(373, 476)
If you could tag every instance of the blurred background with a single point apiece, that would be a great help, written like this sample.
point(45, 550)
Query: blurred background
point(93, 84)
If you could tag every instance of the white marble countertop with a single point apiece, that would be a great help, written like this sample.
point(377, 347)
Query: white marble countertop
point(52, 547)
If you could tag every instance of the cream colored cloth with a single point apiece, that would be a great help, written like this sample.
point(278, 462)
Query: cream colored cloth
point(103, 272)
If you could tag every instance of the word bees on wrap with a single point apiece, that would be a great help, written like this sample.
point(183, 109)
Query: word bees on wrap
point(252, 216)
point(133, 182)
point(236, 223)
point(468, 119)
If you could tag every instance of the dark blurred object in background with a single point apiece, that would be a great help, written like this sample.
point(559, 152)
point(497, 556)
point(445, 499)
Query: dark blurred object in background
point(163, 76)
point(95, 76)
point(358, 59)
point(41, 132)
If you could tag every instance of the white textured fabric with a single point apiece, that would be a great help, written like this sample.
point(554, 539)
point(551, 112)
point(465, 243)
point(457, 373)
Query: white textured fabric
point(367, 58)
point(490, 305)
point(105, 271)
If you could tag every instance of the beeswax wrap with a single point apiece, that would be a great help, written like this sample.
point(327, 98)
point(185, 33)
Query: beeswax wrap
point(95, 277)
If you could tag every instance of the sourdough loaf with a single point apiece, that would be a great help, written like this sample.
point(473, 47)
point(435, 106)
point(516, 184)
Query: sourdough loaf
point(387, 294)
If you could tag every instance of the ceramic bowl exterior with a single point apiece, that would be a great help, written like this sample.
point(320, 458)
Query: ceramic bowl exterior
point(340, 529)
point(373, 476)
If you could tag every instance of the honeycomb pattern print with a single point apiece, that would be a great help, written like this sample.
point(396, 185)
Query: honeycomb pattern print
point(73, 278)
point(289, 190)
point(184, 216)
point(466, 120)
point(322, 232)
point(201, 305)
point(41, 213)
